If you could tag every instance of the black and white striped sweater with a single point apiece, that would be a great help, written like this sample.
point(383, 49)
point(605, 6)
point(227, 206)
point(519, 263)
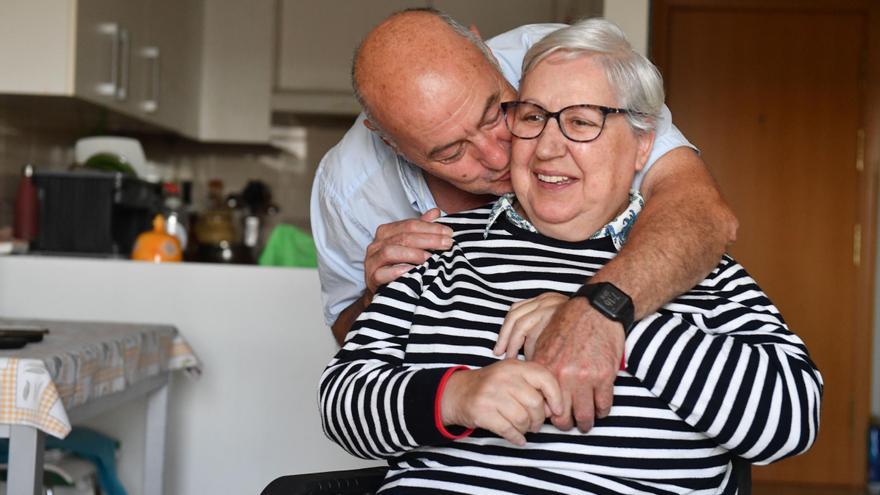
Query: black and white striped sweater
point(714, 374)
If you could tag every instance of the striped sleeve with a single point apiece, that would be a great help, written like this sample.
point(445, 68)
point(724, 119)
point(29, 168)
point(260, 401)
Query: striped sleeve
point(371, 403)
point(724, 360)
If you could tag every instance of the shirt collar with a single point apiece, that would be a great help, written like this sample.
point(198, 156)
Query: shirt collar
point(414, 185)
point(617, 229)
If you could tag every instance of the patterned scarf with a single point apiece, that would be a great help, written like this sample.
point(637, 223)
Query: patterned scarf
point(618, 228)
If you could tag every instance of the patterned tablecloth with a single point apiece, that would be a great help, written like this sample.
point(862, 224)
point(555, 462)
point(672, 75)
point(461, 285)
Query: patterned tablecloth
point(78, 362)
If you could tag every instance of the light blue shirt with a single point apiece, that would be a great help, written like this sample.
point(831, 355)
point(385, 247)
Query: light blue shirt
point(361, 183)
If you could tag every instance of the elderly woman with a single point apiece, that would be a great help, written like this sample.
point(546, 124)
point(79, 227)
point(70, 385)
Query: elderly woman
point(713, 376)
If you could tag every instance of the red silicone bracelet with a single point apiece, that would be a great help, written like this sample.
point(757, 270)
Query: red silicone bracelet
point(438, 398)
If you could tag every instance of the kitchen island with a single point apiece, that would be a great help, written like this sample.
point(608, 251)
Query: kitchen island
point(252, 416)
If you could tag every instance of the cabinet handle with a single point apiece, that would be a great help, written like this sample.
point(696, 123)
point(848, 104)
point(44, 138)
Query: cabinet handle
point(151, 103)
point(124, 52)
point(109, 88)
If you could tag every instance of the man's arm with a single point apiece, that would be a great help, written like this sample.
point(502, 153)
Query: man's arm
point(681, 234)
point(679, 237)
point(348, 316)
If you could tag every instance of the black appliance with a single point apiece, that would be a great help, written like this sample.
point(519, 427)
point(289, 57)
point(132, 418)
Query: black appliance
point(91, 212)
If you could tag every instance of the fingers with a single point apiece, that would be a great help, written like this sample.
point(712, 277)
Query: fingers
point(509, 398)
point(525, 321)
point(584, 410)
point(564, 420)
point(603, 396)
point(541, 380)
point(421, 241)
point(431, 215)
point(422, 225)
point(398, 246)
point(388, 274)
point(510, 332)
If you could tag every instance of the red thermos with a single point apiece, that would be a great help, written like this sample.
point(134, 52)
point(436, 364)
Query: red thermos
point(27, 215)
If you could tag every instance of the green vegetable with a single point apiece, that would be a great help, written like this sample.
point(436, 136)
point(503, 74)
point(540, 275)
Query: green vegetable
point(109, 162)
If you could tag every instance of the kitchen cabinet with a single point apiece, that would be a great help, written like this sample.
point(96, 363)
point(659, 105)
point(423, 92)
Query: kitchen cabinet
point(172, 63)
point(107, 34)
point(90, 49)
point(316, 41)
point(317, 38)
point(169, 62)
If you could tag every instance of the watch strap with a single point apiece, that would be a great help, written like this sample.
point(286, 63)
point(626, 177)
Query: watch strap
point(610, 301)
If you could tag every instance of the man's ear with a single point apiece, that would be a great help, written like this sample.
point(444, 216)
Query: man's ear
point(372, 127)
point(473, 28)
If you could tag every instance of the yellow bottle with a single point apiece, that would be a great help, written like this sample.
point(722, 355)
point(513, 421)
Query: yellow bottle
point(157, 245)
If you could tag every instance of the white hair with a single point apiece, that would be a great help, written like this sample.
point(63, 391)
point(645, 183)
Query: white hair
point(634, 79)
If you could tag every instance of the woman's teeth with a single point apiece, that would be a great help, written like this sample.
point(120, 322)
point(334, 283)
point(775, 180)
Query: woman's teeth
point(553, 179)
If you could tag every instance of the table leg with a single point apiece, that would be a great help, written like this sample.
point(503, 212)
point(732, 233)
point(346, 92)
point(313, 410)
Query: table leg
point(154, 455)
point(26, 445)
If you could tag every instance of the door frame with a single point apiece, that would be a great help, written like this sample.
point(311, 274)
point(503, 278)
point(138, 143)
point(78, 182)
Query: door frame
point(867, 181)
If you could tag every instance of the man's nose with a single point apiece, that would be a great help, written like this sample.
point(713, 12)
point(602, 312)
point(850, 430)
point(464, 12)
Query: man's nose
point(494, 148)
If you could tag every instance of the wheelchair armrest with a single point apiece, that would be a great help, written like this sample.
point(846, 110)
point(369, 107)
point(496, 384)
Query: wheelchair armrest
point(352, 482)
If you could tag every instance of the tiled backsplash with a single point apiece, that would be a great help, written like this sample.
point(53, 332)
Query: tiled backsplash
point(43, 131)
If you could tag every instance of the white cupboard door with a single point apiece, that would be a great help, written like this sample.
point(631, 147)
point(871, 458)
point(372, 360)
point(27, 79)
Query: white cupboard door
point(494, 18)
point(169, 57)
point(107, 32)
point(317, 39)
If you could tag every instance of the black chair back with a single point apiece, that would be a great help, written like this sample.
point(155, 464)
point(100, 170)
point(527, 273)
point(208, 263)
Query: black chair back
point(367, 481)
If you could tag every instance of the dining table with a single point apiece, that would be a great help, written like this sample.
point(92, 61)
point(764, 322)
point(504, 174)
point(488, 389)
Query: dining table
point(81, 369)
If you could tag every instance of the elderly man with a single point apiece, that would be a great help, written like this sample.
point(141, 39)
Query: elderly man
point(431, 92)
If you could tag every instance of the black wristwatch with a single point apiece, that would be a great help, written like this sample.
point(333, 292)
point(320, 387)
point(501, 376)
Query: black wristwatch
point(612, 302)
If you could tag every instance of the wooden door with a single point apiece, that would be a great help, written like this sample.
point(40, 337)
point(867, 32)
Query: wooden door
point(775, 93)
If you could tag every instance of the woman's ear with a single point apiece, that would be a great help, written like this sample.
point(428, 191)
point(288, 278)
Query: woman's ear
point(645, 143)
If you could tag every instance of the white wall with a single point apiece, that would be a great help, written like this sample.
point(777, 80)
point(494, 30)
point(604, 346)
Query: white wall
point(252, 416)
point(633, 16)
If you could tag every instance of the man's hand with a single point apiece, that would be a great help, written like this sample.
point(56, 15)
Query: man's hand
point(398, 246)
point(583, 349)
point(508, 398)
point(524, 323)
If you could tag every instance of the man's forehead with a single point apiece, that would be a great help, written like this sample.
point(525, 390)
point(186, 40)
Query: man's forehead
point(435, 100)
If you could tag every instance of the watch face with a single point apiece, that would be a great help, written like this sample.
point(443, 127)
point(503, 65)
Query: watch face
point(611, 299)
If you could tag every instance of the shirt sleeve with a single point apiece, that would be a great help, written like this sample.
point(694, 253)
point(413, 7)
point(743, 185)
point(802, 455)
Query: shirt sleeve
point(510, 47)
point(667, 137)
point(340, 242)
point(372, 404)
point(724, 360)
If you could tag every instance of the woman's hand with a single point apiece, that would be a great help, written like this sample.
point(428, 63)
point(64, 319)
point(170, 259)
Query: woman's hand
point(508, 398)
point(524, 323)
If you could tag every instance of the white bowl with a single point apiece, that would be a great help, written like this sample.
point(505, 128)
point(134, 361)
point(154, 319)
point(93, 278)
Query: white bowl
point(129, 149)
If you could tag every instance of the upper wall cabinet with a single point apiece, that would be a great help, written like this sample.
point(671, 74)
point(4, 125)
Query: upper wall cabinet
point(317, 38)
point(201, 68)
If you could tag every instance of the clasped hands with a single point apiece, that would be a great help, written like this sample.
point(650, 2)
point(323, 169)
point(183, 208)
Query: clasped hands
point(572, 355)
point(572, 352)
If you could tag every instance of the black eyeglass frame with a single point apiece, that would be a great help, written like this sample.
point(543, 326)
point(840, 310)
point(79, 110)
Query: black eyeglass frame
point(555, 115)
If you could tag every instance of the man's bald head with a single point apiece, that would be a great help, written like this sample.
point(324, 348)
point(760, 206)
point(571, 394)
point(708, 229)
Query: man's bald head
point(404, 60)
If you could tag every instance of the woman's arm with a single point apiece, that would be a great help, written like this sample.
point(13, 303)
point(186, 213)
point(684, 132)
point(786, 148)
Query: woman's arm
point(726, 363)
point(371, 404)
point(375, 406)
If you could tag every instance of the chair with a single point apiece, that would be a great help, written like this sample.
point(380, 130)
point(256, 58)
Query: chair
point(353, 482)
point(367, 481)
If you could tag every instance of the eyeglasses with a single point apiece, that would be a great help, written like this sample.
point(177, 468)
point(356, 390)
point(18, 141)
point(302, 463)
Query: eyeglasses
point(579, 123)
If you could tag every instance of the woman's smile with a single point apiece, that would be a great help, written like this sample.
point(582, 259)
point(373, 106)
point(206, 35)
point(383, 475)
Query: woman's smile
point(554, 180)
